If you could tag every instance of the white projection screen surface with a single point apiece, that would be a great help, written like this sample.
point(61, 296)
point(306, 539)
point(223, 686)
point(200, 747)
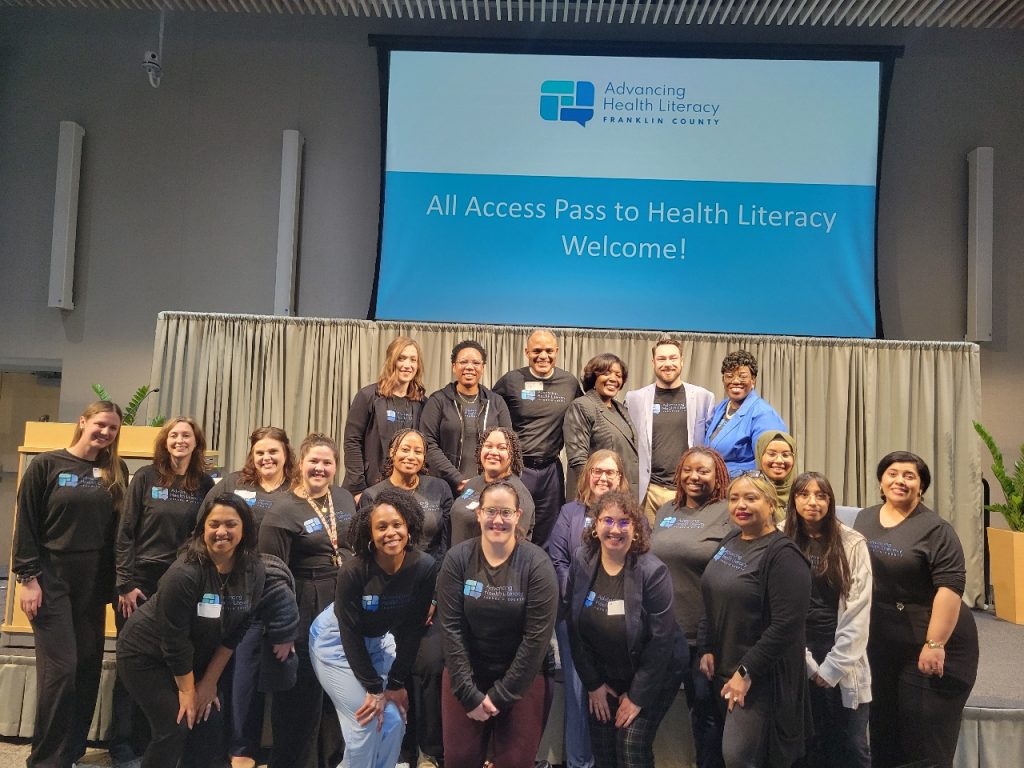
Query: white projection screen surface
point(699, 194)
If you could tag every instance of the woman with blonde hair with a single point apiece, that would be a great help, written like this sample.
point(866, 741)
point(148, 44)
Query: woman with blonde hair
point(379, 411)
point(68, 503)
point(756, 590)
point(159, 514)
point(308, 531)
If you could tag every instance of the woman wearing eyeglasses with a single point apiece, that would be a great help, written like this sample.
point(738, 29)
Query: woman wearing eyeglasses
point(627, 648)
point(597, 420)
point(455, 415)
point(602, 473)
point(500, 458)
point(739, 420)
point(686, 535)
point(498, 597)
point(837, 625)
point(776, 458)
point(756, 590)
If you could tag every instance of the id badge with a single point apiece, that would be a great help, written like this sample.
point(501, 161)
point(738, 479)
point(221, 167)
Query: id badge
point(533, 386)
point(616, 607)
point(97, 472)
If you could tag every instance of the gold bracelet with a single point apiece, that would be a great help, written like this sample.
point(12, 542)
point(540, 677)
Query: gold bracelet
point(935, 644)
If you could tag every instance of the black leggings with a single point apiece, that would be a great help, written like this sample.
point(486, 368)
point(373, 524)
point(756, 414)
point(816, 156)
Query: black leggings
point(152, 686)
point(69, 654)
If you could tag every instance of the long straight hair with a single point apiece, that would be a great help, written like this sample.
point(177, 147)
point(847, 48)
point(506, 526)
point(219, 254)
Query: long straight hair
point(196, 463)
point(108, 460)
point(388, 380)
point(833, 564)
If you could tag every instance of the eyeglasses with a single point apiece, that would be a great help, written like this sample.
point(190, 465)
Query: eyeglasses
point(742, 378)
point(818, 496)
point(611, 474)
point(506, 513)
point(778, 454)
point(470, 363)
point(622, 523)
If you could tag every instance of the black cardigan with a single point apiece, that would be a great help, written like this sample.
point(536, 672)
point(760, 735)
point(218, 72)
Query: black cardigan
point(657, 647)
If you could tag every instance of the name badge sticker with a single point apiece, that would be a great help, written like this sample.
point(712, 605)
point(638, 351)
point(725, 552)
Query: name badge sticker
point(248, 496)
point(472, 505)
point(533, 386)
point(97, 472)
point(208, 610)
point(616, 607)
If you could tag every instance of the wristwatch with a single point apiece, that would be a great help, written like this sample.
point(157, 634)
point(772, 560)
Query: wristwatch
point(743, 672)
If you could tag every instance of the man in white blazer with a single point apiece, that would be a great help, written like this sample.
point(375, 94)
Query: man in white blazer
point(669, 416)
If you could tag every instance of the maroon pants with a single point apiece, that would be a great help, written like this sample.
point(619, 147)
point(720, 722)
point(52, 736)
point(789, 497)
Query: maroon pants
point(516, 730)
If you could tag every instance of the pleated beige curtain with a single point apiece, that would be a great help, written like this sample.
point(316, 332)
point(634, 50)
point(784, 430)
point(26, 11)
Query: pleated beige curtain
point(847, 402)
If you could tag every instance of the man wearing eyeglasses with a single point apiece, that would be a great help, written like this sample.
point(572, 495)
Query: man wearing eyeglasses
point(454, 416)
point(669, 416)
point(537, 397)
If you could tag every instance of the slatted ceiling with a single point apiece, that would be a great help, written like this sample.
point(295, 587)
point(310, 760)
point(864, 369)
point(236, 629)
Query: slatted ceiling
point(1001, 14)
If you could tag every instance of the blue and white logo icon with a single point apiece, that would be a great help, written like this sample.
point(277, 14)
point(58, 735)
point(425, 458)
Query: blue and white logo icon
point(668, 522)
point(473, 588)
point(160, 494)
point(67, 480)
point(568, 101)
point(591, 596)
point(371, 603)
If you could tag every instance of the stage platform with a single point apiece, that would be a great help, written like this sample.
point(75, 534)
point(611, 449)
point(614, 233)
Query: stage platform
point(991, 734)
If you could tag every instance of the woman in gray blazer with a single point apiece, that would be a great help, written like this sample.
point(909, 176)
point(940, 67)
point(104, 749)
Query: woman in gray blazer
point(597, 420)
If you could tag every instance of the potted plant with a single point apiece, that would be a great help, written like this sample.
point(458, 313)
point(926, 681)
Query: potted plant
point(1006, 547)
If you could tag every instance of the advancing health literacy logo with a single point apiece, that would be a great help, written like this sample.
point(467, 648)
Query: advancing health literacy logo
point(473, 588)
point(570, 101)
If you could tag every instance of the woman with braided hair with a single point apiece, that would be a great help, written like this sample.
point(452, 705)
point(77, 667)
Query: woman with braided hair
point(500, 458)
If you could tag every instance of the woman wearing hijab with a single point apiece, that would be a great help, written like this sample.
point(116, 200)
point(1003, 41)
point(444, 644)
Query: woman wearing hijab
point(776, 458)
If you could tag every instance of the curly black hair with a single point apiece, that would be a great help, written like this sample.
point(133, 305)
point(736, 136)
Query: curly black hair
point(360, 536)
point(389, 460)
point(515, 451)
point(738, 358)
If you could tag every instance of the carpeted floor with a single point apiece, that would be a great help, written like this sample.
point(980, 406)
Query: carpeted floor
point(1000, 684)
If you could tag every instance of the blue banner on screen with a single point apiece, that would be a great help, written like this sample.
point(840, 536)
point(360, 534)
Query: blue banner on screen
point(728, 195)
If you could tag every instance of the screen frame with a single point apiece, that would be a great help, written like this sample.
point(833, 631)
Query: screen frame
point(884, 55)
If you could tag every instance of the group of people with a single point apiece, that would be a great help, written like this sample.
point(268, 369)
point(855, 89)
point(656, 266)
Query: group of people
point(407, 614)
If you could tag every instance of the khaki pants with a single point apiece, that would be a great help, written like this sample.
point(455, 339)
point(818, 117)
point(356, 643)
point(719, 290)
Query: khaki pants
point(657, 496)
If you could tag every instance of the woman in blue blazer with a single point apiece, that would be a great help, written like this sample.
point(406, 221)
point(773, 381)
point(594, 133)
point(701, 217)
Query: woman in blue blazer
point(627, 648)
point(742, 417)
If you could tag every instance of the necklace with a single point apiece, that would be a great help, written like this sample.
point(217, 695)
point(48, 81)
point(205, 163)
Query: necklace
point(468, 400)
point(223, 579)
point(325, 514)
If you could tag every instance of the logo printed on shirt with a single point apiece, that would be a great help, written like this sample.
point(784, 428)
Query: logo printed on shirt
point(668, 522)
point(67, 480)
point(681, 522)
point(211, 599)
point(589, 601)
point(371, 603)
point(473, 588)
point(313, 525)
point(884, 548)
point(467, 494)
point(528, 394)
point(160, 494)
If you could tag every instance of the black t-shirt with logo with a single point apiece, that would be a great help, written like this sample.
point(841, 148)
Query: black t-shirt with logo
point(294, 532)
point(602, 626)
point(537, 407)
point(669, 436)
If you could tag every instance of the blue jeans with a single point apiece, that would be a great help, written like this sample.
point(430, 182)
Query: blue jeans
point(578, 751)
point(365, 746)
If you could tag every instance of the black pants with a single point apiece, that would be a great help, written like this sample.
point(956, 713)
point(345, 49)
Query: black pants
point(129, 728)
point(706, 718)
point(245, 703)
point(913, 720)
point(69, 653)
point(632, 746)
point(151, 684)
point(305, 724)
point(425, 696)
point(547, 487)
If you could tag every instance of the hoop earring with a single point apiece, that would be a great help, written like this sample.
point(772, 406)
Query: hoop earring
point(369, 547)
